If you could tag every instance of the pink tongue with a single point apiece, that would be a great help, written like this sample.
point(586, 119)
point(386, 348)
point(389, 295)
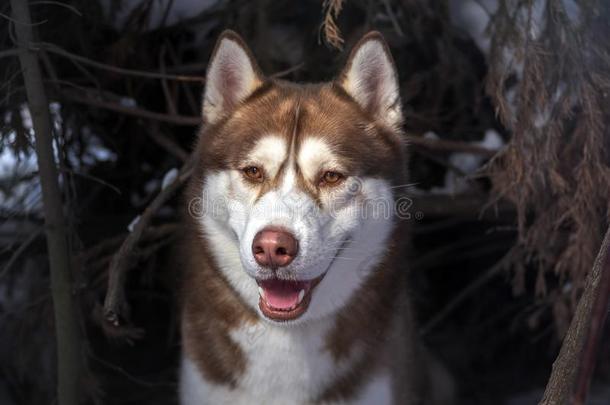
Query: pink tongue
point(282, 294)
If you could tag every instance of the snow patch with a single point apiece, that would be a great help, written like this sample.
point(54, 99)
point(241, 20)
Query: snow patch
point(431, 135)
point(468, 164)
point(169, 178)
point(473, 17)
point(20, 191)
point(128, 102)
point(133, 223)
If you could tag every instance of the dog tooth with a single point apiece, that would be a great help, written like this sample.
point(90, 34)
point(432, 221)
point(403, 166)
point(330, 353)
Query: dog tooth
point(301, 295)
point(261, 292)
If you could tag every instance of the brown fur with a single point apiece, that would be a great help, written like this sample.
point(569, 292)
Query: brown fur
point(370, 151)
point(211, 308)
point(366, 322)
point(325, 111)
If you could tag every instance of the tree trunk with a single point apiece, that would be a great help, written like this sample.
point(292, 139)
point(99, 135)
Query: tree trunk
point(572, 371)
point(69, 355)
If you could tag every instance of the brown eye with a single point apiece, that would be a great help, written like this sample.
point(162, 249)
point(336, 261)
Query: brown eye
point(253, 173)
point(331, 178)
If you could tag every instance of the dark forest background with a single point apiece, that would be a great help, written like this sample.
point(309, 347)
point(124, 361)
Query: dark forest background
point(507, 109)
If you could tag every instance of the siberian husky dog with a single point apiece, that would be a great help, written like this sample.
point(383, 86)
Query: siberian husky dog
point(294, 279)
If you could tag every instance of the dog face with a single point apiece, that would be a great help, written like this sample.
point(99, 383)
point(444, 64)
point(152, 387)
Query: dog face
point(297, 181)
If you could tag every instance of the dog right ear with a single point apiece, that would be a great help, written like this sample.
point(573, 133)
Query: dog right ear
point(370, 78)
point(231, 77)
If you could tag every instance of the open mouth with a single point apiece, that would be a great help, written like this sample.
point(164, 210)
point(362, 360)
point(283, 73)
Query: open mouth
point(285, 300)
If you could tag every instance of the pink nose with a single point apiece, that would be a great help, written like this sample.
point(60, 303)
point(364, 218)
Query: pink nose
point(273, 247)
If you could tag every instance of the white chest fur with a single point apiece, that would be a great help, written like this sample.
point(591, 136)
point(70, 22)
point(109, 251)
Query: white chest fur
point(284, 366)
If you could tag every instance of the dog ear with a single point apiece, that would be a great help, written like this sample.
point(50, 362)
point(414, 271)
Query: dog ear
point(231, 77)
point(370, 77)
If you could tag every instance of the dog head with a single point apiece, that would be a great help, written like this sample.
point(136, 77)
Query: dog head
point(297, 180)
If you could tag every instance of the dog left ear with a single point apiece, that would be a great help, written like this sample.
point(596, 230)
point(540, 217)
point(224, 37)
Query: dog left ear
point(370, 77)
point(231, 77)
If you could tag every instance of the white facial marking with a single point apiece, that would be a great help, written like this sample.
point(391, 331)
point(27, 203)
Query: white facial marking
point(289, 181)
point(356, 237)
point(343, 240)
point(269, 152)
point(315, 155)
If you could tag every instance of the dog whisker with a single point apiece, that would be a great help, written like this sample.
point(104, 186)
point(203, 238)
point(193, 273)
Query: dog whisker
point(405, 185)
point(338, 248)
point(346, 258)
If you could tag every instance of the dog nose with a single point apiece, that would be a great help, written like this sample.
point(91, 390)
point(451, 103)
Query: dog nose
point(274, 248)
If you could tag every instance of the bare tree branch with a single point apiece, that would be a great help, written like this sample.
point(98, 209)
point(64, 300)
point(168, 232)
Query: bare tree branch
point(479, 282)
point(17, 253)
point(168, 144)
point(135, 111)
point(115, 306)
point(450, 146)
point(52, 48)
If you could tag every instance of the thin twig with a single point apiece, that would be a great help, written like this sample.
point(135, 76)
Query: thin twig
point(201, 67)
point(288, 71)
point(450, 146)
point(168, 7)
point(151, 233)
point(116, 309)
point(171, 105)
point(166, 143)
point(393, 18)
point(99, 256)
point(52, 48)
point(460, 205)
point(92, 178)
point(31, 24)
point(192, 101)
point(442, 161)
point(115, 69)
point(135, 111)
point(187, 67)
point(9, 52)
point(57, 3)
point(437, 145)
point(130, 377)
point(141, 112)
point(17, 253)
point(332, 33)
point(467, 292)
